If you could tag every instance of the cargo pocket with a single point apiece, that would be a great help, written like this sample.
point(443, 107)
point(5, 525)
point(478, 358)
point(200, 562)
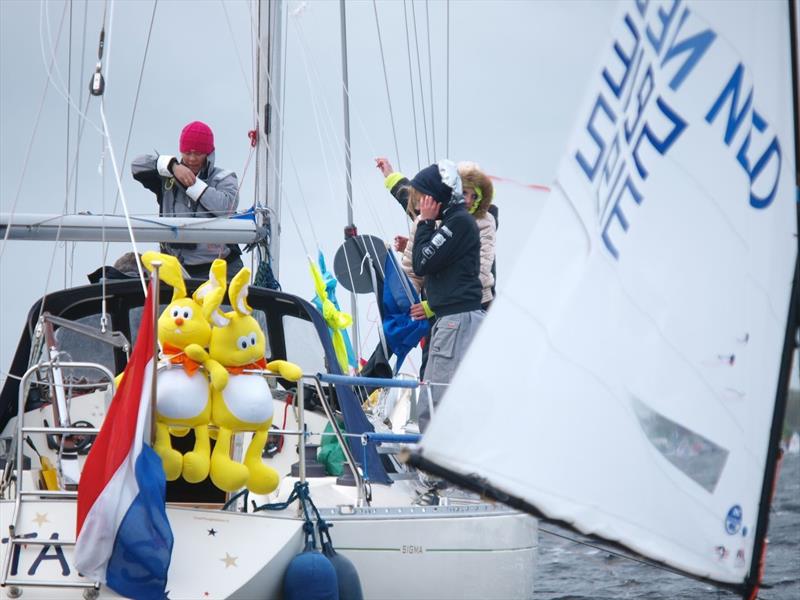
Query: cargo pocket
point(444, 342)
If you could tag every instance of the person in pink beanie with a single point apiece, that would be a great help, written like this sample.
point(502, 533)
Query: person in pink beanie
point(192, 186)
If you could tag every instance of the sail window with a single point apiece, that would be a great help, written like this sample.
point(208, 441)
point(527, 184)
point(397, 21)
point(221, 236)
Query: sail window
point(694, 455)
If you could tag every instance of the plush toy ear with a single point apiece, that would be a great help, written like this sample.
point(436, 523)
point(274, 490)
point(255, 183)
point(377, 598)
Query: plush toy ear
point(216, 279)
point(170, 272)
point(211, 303)
point(237, 292)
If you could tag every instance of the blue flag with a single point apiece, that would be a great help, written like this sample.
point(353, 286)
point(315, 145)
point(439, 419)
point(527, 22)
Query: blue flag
point(401, 331)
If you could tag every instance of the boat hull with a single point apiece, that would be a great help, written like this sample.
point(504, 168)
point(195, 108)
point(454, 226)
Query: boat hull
point(400, 552)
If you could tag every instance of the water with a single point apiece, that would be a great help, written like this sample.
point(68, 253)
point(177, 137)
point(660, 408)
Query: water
point(568, 571)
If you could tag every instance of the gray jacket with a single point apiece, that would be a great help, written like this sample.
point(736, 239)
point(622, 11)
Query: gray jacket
point(214, 194)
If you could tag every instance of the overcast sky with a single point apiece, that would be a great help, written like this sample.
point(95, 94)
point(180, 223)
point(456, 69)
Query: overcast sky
point(517, 75)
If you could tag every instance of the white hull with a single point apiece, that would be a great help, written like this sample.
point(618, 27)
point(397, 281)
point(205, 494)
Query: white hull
point(401, 551)
point(422, 552)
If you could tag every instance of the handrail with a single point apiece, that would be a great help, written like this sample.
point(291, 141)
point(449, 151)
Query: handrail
point(24, 387)
point(368, 381)
point(351, 461)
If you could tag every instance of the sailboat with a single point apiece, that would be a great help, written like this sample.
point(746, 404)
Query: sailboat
point(60, 387)
point(658, 298)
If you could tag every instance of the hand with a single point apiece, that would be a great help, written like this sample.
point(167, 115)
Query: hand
point(400, 243)
point(196, 352)
point(184, 175)
point(384, 166)
point(428, 208)
point(417, 312)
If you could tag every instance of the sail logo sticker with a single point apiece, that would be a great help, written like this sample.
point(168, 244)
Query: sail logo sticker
point(733, 520)
point(669, 81)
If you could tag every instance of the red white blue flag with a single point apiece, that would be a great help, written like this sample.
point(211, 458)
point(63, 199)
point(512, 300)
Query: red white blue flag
point(123, 536)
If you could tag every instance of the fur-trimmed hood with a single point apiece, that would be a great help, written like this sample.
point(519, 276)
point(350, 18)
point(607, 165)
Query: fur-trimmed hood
point(473, 177)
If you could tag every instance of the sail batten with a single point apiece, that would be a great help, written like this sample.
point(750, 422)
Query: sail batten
point(651, 302)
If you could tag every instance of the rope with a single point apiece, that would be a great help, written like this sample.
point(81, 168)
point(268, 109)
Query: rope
point(386, 82)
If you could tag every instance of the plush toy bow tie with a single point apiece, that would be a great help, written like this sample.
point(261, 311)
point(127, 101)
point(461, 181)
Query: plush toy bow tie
point(261, 363)
point(176, 356)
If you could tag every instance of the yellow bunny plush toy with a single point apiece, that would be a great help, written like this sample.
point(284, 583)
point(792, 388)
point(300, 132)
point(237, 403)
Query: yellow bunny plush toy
point(245, 404)
point(183, 399)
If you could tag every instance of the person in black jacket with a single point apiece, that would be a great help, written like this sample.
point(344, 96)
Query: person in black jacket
point(448, 258)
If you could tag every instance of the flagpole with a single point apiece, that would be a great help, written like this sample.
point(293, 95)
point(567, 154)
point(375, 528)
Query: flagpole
point(156, 287)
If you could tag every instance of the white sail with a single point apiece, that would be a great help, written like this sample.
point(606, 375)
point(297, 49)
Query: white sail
point(635, 349)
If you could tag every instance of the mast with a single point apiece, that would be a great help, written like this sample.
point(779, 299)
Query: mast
point(774, 453)
point(268, 94)
point(350, 229)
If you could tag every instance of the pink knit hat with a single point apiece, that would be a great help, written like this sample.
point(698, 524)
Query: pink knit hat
point(197, 137)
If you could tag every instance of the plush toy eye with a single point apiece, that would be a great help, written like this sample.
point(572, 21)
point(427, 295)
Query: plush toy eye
point(253, 339)
point(242, 342)
point(187, 313)
point(176, 312)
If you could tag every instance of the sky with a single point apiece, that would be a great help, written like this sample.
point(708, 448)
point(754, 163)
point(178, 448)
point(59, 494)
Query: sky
point(517, 75)
point(510, 110)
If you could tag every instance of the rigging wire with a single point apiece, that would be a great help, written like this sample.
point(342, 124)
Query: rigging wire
point(128, 137)
point(110, 147)
point(421, 86)
point(386, 82)
point(66, 158)
point(136, 96)
point(28, 151)
point(54, 66)
point(263, 138)
point(236, 49)
point(315, 109)
point(81, 126)
point(430, 78)
point(337, 139)
point(447, 80)
point(411, 82)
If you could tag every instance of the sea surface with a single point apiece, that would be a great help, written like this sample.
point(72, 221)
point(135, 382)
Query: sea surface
point(568, 571)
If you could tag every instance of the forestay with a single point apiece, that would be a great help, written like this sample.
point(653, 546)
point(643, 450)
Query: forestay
point(651, 301)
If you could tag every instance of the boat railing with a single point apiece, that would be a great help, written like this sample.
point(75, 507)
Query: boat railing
point(21, 493)
point(361, 476)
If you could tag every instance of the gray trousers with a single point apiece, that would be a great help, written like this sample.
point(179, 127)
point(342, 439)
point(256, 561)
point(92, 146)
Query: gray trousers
point(450, 338)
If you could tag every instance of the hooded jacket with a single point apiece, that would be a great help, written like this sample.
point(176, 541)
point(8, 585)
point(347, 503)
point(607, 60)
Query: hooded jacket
point(448, 257)
point(215, 193)
point(487, 228)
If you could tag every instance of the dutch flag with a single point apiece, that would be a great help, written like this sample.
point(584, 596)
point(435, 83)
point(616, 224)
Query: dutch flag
point(123, 536)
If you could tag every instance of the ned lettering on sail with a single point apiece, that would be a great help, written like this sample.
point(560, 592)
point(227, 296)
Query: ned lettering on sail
point(671, 78)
